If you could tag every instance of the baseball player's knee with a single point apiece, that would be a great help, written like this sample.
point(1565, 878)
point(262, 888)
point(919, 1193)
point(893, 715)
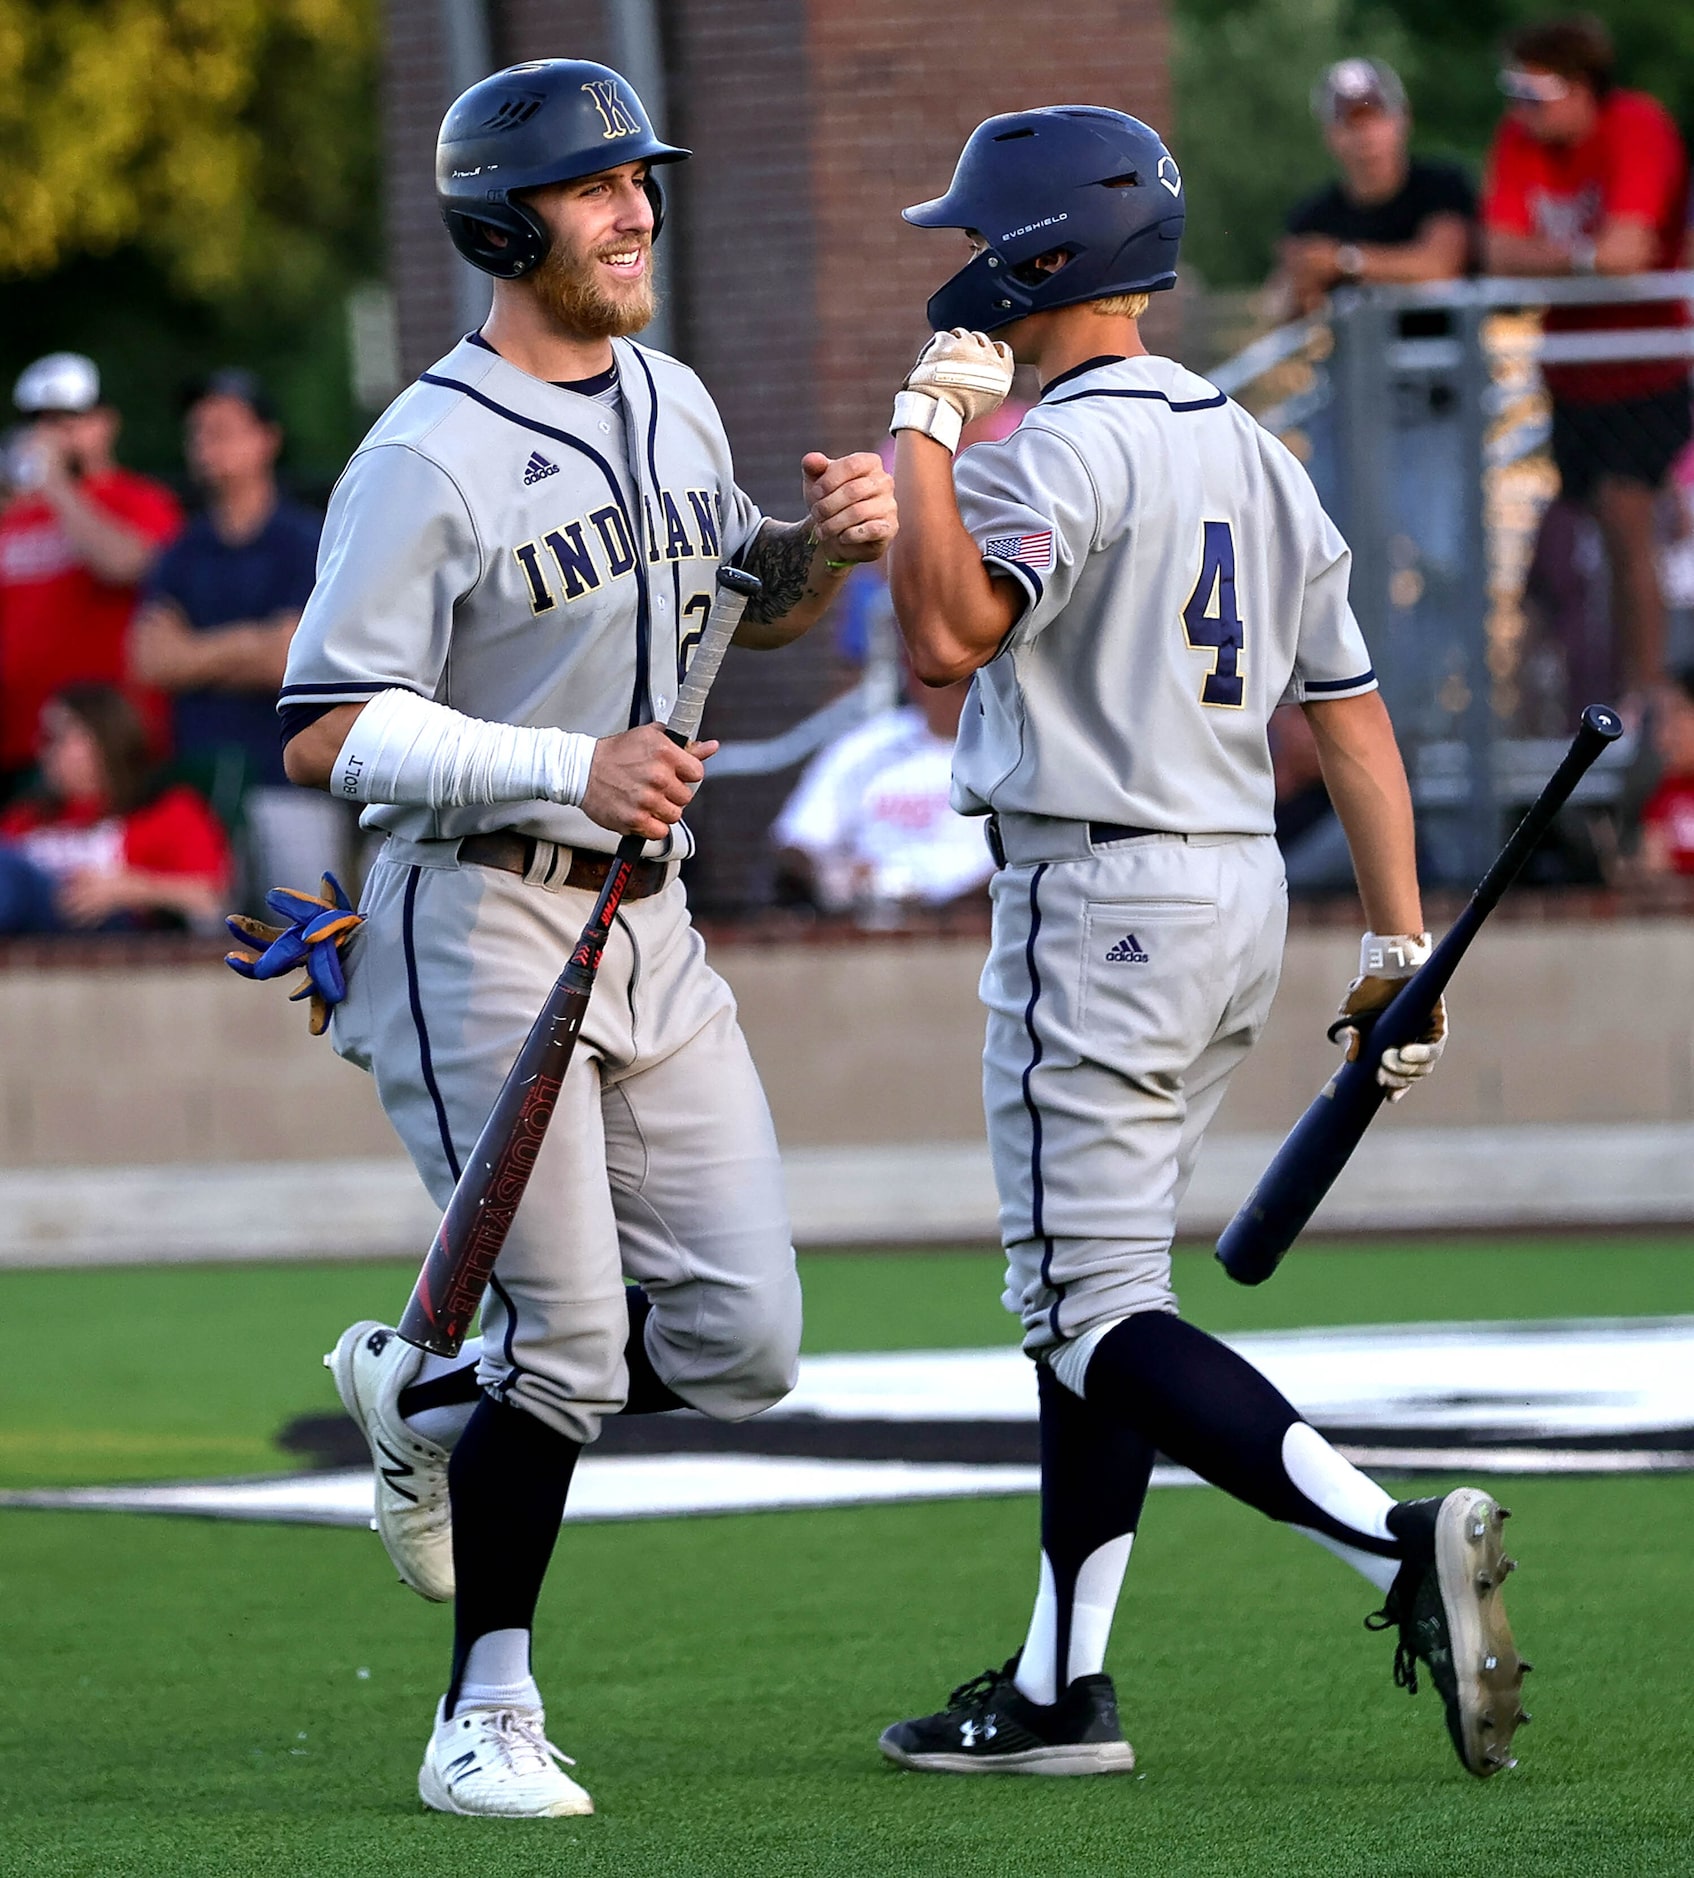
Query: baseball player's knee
point(1071, 1284)
point(729, 1350)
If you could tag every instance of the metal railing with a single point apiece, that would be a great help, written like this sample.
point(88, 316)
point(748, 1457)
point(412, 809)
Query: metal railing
point(1432, 451)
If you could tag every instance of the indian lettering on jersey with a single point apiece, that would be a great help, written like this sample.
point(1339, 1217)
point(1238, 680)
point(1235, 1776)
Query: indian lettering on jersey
point(581, 556)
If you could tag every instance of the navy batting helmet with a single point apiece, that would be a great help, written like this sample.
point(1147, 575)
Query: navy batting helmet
point(1098, 184)
point(545, 122)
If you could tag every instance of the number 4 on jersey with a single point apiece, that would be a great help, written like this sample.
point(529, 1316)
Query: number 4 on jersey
point(1211, 621)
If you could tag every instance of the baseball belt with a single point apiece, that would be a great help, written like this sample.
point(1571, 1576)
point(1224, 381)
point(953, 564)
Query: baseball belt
point(513, 853)
point(1100, 834)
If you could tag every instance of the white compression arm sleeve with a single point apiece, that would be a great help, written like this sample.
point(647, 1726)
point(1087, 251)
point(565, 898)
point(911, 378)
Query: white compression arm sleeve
point(407, 749)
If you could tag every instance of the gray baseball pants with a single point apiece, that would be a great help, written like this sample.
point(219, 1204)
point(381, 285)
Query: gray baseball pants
point(661, 1163)
point(1125, 983)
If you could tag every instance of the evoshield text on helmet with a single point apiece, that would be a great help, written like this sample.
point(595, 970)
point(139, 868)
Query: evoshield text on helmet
point(1099, 185)
point(549, 121)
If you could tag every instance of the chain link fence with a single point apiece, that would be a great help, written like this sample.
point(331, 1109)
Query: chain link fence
point(1488, 448)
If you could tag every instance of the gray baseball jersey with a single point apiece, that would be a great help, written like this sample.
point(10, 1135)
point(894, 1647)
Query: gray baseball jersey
point(526, 554)
point(1182, 580)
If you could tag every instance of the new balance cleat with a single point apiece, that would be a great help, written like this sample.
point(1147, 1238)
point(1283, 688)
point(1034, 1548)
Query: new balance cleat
point(498, 1762)
point(1447, 1605)
point(990, 1727)
point(371, 1364)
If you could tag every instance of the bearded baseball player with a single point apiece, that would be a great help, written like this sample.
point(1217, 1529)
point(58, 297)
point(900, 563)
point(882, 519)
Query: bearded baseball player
point(516, 564)
point(1137, 576)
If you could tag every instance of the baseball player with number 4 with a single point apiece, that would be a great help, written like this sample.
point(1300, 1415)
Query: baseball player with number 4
point(516, 566)
point(1137, 576)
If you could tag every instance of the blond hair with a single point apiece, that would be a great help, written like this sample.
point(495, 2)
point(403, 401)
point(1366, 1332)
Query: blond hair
point(1125, 305)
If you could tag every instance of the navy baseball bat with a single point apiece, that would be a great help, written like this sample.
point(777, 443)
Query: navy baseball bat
point(467, 1243)
point(1304, 1168)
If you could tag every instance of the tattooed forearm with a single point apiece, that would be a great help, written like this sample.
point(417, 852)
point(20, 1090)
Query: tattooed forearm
point(781, 555)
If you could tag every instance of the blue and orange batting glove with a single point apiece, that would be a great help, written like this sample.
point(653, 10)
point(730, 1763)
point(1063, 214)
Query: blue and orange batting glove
point(317, 927)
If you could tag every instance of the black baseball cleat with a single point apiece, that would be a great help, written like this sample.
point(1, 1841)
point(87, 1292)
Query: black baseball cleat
point(1446, 1604)
point(990, 1727)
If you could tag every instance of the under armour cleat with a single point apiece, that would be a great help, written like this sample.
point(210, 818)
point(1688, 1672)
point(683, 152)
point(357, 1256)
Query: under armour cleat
point(371, 1364)
point(1446, 1604)
point(498, 1762)
point(990, 1727)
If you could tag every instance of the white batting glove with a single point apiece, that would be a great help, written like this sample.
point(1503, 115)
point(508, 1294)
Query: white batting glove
point(958, 378)
point(1386, 961)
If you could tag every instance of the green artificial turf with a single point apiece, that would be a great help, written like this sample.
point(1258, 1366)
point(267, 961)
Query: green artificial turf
point(185, 1698)
point(149, 1373)
point(201, 1701)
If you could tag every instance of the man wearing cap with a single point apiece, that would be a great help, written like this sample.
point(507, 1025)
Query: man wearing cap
point(1389, 217)
point(217, 617)
point(77, 536)
point(1587, 178)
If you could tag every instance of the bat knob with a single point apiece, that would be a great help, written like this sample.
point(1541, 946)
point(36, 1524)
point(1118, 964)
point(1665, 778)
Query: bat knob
point(1603, 721)
point(738, 580)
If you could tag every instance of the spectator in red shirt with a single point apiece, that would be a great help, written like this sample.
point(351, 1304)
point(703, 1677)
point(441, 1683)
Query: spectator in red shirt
point(1667, 822)
point(102, 844)
point(77, 537)
point(1585, 178)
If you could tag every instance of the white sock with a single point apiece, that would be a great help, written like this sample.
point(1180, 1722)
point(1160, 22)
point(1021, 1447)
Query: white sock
point(497, 1673)
point(1346, 1495)
point(1372, 1565)
point(432, 1366)
point(444, 1425)
point(1093, 1605)
point(1333, 1485)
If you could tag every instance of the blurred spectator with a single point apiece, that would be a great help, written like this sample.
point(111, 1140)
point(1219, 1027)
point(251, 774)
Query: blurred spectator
point(214, 627)
point(1567, 601)
point(1314, 848)
point(77, 536)
point(1389, 216)
point(1667, 821)
point(871, 827)
point(1676, 562)
point(102, 844)
point(1585, 178)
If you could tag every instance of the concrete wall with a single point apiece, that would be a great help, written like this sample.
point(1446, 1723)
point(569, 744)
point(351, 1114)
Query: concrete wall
point(859, 1044)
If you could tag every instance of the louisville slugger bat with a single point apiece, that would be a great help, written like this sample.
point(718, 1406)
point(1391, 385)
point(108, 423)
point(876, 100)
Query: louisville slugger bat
point(461, 1257)
point(1273, 1215)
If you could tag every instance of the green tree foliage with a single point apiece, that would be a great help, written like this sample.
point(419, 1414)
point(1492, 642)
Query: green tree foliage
point(1243, 74)
point(189, 183)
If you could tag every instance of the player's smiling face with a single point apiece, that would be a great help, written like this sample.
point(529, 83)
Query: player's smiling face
point(597, 279)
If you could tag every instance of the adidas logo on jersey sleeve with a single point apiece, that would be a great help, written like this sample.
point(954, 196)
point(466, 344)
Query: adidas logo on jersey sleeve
point(1127, 951)
point(537, 469)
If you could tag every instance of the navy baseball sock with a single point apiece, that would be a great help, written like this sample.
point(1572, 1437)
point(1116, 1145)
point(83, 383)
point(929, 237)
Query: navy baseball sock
point(507, 1480)
point(438, 1401)
point(649, 1394)
point(446, 1389)
point(1094, 1471)
point(1211, 1410)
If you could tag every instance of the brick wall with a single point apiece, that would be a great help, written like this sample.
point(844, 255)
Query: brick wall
point(798, 290)
point(414, 96)
point(897, 88)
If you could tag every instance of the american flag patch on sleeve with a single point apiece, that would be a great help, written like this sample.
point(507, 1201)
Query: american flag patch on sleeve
point(1034, 551)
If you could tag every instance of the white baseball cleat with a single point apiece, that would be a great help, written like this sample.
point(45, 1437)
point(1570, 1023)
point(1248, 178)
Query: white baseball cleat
point(499, 1763)
point(371, 1364)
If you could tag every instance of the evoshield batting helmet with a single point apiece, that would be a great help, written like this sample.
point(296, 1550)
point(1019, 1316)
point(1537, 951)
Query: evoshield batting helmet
point(1098, 184)
point(545, 122)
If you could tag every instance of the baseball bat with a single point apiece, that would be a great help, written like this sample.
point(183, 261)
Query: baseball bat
point(1304, 1168)
point(461, 1257)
